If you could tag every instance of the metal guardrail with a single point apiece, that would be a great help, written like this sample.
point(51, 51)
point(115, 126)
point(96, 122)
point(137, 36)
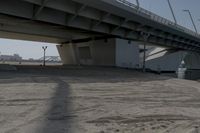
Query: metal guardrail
point(145, 13)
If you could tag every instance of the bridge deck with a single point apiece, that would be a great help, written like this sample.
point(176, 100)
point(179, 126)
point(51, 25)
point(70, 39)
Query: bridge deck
point(77, 19)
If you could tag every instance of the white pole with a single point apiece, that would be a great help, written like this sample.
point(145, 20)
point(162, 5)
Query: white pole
point(170, 6)
point(188, 11)
point(138, 3)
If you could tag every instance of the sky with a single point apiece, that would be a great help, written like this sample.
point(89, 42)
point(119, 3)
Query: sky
point(28, 49)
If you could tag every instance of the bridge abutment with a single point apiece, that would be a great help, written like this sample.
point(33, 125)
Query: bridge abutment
point(104, 52)
point(169, 60)
point(192, 63)
point(129, 54)
point(163, 59)
point(68, 53)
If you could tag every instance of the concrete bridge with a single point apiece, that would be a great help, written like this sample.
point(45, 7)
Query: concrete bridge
point(83, 28)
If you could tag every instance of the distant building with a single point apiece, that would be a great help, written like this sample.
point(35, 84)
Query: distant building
point(14, 57)
point(31, 59)
point(51, 59)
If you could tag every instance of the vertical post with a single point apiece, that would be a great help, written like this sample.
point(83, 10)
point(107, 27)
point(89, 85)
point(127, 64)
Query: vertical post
point(188, 11)
point(138, 3)
point(198, 20)
point(192, 21)
point(170, 6)
point(144, 58)
point(145, 38)
point(44, 58)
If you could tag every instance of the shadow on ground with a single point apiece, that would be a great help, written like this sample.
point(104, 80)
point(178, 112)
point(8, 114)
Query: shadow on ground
point(58, 116)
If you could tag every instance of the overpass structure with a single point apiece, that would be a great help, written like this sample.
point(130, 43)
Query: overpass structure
point(67, 20)
point(79, 21)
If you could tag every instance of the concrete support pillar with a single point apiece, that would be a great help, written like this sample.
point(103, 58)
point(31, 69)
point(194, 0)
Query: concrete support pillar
point(104, 52)
point(192, 60)
point(127, 54)
point(68, 53)
point(98, 52)
point(192, 64)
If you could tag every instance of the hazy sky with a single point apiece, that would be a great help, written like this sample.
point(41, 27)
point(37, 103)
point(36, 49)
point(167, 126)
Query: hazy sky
point(29, 49)
point(26, 49)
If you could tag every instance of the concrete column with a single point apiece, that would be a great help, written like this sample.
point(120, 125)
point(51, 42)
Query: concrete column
point(98, 52)
point(192, 60)
point(127, 54)
point(192, 64)
point(104, 52)
point(68, 53)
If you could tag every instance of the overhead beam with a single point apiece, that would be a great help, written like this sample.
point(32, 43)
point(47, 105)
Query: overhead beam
point(36, 14)
point(119, 26)
point(77, 13)
point(94, 38)
point(103, 17)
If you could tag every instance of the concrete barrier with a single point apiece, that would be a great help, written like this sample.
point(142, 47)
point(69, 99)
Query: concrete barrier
point(192, 74)
point(7, 67)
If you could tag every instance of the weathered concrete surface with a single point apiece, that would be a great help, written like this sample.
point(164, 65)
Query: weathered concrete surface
point(7, 67)
point(97, 100)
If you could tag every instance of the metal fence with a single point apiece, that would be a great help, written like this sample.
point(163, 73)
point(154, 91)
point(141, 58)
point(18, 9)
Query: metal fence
point(145, 13)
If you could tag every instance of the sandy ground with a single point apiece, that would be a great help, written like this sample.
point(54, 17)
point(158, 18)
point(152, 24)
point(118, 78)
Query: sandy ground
point(97, 100)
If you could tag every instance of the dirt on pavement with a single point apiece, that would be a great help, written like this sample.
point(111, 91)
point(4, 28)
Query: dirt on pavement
point(97, 100)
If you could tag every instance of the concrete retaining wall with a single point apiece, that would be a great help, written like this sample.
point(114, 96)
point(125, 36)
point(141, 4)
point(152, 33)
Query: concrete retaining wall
point(105, 52)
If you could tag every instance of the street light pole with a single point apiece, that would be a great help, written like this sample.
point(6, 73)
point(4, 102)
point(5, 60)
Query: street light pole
point(188, 11)
point(170, 6)
point(145, 38)
point(138, 3)
point(44, 58)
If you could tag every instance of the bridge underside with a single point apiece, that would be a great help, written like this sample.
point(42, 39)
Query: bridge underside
point(98, 32)
point(61, 21)
point(23, 29)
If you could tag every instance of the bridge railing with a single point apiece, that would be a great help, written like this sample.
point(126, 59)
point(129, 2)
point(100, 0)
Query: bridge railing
point(145, 13)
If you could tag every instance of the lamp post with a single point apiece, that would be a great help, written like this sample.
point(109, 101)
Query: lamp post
point(198, 20)
point(138, 3)
point(170, 6)
point(145, 38)
point(188, 11)
point(44, 58)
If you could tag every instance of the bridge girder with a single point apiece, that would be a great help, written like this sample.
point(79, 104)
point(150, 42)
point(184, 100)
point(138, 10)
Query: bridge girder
point(89, 20)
